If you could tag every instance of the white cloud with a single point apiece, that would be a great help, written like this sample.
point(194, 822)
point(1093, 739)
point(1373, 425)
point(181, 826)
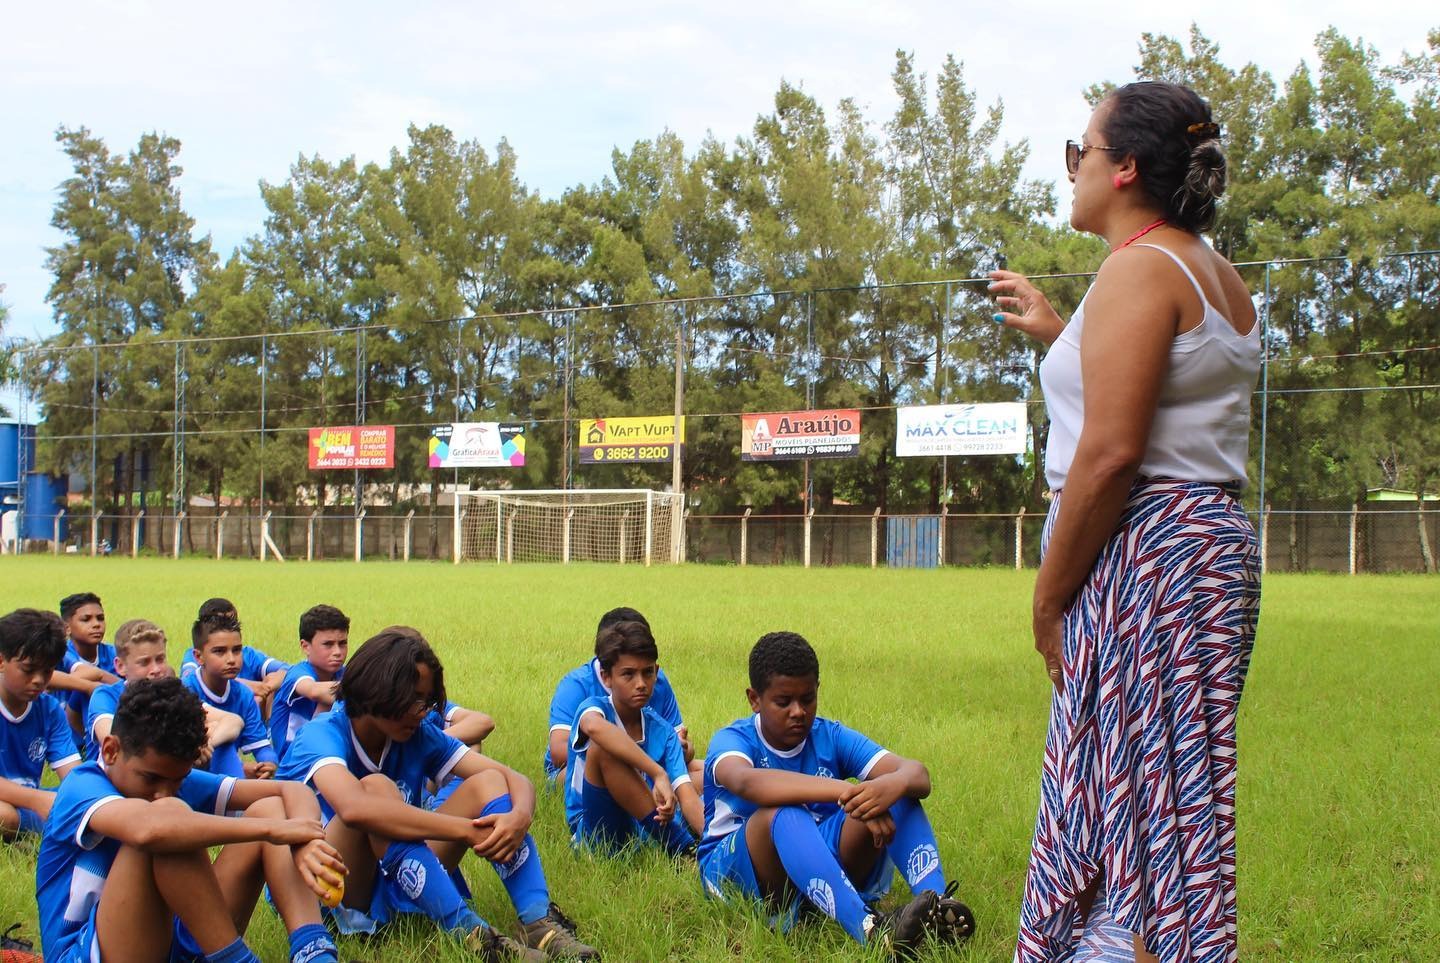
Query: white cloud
point(248, 89)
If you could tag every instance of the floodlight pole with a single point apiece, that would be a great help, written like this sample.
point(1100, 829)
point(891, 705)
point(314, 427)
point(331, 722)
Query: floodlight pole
point(677, 504)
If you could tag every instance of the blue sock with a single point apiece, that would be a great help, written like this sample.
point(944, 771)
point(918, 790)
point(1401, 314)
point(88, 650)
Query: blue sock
point(226, 762)
point(312, 944)
point(675, 836)
point(913, 849)
point(236, 952)
point(523, 876)
point(417, 873)
point(815, 871)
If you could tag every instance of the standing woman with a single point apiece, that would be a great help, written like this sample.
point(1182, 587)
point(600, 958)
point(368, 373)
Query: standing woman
point(1147, 598)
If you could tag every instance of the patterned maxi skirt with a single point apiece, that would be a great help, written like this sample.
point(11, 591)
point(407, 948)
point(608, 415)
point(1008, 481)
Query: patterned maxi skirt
point(1139, 772)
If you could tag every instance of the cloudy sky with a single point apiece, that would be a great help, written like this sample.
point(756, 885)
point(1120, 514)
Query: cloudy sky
point(247, 88)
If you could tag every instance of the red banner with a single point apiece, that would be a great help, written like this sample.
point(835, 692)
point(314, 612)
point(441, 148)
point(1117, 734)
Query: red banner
point(352, 446)
point(795, 435)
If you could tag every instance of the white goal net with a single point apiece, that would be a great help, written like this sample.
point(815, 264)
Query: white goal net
point(594, 525)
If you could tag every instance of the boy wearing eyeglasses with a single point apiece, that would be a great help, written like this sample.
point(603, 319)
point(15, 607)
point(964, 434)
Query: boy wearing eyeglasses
point(369, 759)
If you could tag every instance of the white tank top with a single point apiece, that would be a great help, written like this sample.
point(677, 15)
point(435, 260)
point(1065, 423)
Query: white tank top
point(1201, 430)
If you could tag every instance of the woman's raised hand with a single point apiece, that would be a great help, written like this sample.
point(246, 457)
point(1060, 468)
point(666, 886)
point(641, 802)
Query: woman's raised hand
point(1023, 307)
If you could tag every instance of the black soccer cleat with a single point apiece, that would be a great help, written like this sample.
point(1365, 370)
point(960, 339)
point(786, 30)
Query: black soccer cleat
point(953, 921)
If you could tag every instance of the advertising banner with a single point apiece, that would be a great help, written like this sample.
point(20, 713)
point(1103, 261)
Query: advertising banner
point(477, 444)
point(352, 446)
point(649, 438)
point(985, 429)
point(795, 435)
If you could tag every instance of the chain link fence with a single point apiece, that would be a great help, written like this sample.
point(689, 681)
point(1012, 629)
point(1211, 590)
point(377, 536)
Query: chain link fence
point(204, 454)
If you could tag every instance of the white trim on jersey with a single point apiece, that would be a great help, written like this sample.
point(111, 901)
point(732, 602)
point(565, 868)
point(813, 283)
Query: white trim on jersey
point(865, 772)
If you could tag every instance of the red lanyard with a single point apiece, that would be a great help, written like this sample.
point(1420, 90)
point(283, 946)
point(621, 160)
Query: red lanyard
point(1141, 233)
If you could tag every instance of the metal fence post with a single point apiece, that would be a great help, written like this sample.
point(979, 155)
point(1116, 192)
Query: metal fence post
point(360, 534)
point(135, 533)
point(510, 537)
point(1020, 539)
point(220, 534)
point(875, 539)
point(650, 525)
point(1354, 525)
point(179, 527)
point(565, 537)
point(55, 541)
point(745, 537)
point(1264, 538)
point(940, 540)
point(310, 536)
point(809, 514)
point(624, 527)
point(94, 533)
point(409, 531)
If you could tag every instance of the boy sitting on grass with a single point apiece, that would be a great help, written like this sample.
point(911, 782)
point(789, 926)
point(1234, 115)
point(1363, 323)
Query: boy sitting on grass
point(310, 685)
point(626, 770)
point(584, 682)
point(33, 730)
point(369, 759)
point(89, 660)
point(140, 654)
point(218, 655)
point(124, 872)
point(260, 673)
point(781, 817)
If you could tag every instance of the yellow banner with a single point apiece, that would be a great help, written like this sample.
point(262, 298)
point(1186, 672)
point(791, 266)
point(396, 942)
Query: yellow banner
point(643, 430)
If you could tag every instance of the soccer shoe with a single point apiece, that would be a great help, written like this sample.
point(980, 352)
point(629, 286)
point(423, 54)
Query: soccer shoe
point(953, 921)
point(904, 929)
point(554, 936)
point(492, 947)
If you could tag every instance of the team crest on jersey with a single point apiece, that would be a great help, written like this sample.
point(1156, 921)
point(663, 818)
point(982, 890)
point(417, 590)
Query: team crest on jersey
point(922, 862)
point(36, 752)
point(507, 870)
point(411, 878)
point(824, 772)
point(405, 792)
point(819, 892)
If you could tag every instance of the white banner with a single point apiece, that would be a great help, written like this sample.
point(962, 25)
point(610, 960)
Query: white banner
point(989, 429)
point(477, 444)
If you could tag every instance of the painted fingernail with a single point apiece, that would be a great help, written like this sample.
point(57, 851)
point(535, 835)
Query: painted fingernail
point(998, 318)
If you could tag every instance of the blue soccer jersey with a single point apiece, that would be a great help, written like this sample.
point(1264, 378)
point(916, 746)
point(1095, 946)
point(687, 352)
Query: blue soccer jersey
point(74, 860)
point(104, 660)
point(36, 736)
point(103, 703)
point(329, 741)
point(254, 664)
point(235, 698)
point(583, 682)
point(289, 710)
point(657, 739)
point(832, 750)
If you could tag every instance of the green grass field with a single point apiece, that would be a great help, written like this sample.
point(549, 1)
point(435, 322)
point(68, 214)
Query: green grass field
point(1339, 829)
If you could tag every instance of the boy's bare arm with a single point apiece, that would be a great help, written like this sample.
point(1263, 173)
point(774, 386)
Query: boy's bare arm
point(890, 779)
point(69, 682)
point(90, 673)
point(386, 817)
point(23, 797)
point(221, 726)
point(470, 726)
point(691, 807)
point(617, 742)
point(772, 787)
point(167, 828)
point(323, 694)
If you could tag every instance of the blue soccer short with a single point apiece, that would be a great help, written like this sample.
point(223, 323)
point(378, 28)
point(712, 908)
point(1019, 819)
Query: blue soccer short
point(729, 863)
point(602, 821)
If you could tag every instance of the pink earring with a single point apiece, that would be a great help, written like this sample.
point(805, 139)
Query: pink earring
point(1118, 181)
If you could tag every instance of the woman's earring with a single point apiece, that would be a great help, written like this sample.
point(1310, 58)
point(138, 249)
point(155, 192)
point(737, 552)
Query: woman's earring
point(1118, 181)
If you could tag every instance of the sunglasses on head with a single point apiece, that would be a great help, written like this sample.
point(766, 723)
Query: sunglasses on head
point(1074, 153)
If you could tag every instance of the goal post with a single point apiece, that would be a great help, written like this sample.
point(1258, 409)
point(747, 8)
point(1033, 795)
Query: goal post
point(628, 526)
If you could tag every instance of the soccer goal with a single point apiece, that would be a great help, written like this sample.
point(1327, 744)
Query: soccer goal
point(582, 525)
